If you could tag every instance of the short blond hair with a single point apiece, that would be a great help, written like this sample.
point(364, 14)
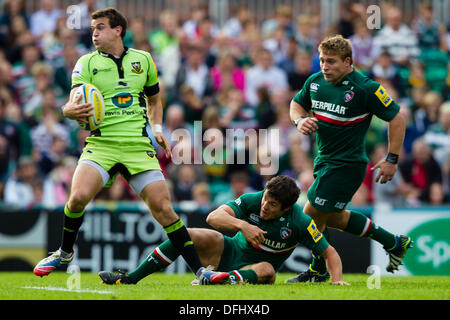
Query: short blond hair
point(337, 45)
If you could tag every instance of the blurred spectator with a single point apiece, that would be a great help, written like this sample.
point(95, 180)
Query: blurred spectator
point(51, 158)
point(429, 111)
point(19, 188)
point(44, 93)
point(429, 31)
point(11, 9)
point(411, 132)
point(265, 111)
point(9, 143)
point(63, 74)
point(191, 27)
point(437, 195)
point(282, 19)
point(168, 33)
point(86, 7)
point(57, 184)
point(55, 45)
point(174, 119)
point(195, 74)
point(393, 193)
point(193, 105)
point(186, 179)
point(45, 20)
point(417, 75)
point(23, 81)
point(235, 24)
point(384, 70)
point(239, 184)
point(302, 71)
point(227, 73)
point(397, 38)
point(202, 197)
point(364, 48)
point(234, 112)
point(42, 135)
point(278, 45)
point(437, 136)
point(165, 46)
point(421, 170)
point(136, 33)
point(283, 128)
point(263, 74)
point(306, 33)
point(305, 180)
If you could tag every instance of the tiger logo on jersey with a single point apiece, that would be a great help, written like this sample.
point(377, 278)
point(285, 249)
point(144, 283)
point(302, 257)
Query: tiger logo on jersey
point(383, 96)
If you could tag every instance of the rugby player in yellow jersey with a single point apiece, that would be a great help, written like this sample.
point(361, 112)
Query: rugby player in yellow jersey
point(128, 80)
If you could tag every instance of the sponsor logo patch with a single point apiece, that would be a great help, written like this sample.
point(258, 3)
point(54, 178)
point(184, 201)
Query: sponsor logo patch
point(314, 232)
point(383, 96)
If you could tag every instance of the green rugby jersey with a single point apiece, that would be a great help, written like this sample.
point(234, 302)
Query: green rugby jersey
point(124, 83)
point(283, 234)
point(344, 112)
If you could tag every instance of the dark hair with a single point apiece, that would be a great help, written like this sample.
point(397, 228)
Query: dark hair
point(115, 18)
point(284, 189)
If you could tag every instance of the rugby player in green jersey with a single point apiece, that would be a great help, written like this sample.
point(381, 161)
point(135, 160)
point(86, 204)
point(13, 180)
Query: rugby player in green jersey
point(269, 226)
point(337, 104)
point(128, 80)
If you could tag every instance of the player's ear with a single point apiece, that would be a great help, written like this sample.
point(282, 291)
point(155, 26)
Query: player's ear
point(348, 61)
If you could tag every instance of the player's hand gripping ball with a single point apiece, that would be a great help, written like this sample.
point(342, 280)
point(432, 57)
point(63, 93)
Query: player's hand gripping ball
point(90, 94)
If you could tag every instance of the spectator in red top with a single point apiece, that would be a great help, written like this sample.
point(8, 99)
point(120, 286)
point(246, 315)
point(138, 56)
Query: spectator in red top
point(421, 170)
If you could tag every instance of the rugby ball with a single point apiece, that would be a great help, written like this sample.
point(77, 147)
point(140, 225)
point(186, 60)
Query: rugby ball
point(90, 94)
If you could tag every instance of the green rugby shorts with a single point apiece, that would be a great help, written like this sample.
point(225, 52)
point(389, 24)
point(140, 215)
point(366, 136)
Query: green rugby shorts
point(335, 184)
point(127, 156)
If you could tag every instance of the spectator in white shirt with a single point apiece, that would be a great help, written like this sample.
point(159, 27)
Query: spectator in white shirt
point(45, 20)
point(263, 74)
point(397, 38)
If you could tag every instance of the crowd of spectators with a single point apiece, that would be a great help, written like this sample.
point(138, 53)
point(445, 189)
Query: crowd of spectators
point(241, 75)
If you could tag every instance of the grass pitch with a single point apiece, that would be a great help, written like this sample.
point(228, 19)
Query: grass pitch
point(160, 286)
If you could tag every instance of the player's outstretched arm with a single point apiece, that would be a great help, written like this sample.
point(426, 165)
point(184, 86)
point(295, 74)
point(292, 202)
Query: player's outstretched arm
point(334, 266)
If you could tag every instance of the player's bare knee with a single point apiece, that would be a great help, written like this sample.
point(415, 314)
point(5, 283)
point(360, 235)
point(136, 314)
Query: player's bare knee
point(78, 201)
point(266, 273)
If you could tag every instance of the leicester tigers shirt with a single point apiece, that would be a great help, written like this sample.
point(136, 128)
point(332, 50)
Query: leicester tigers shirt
point(344, 112)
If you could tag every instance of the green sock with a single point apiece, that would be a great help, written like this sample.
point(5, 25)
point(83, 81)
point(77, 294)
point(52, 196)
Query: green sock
point(242, 276)
point(318, 263)
point(159, 259)
point(360, 225)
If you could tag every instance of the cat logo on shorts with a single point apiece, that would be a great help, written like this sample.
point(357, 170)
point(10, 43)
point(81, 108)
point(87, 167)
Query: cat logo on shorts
point(314, 232)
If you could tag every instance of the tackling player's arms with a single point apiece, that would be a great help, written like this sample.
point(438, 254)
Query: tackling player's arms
point(224, 218)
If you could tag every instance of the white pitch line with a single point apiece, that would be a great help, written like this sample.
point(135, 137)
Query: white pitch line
point(69, 290)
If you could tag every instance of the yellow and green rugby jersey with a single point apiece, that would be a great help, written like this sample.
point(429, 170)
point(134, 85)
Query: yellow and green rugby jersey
point(344, 112)
point(283, 234)
point(124, 82)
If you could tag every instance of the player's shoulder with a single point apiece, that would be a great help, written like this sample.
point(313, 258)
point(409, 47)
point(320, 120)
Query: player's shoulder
point(363, 82)
point(89, 55)
point(140, 53)
point(298, 217)
point(315, 77)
